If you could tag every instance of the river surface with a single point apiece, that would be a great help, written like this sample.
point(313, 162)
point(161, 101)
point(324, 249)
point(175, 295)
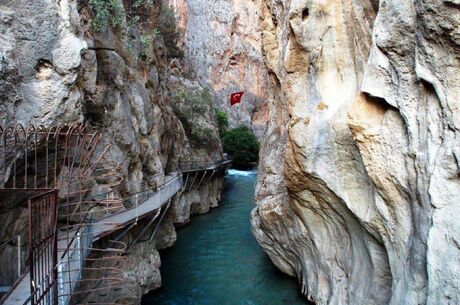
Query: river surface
point(217, 261)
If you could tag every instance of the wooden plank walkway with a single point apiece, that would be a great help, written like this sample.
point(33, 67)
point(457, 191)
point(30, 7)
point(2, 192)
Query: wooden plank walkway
point(20, 293)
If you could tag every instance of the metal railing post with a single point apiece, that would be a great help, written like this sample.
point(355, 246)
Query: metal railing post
point(43, 248)
point(19, 255)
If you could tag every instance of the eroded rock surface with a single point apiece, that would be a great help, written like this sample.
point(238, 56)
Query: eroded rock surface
point(223, 50)
point(359, 182)
point(57, 68)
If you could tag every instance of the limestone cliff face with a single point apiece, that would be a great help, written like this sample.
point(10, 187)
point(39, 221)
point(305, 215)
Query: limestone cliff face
point(56, 68)
point(223, 50)
point(359, 182)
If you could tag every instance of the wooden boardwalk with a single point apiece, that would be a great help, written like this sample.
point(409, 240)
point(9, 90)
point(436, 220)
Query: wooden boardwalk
point(20, 293)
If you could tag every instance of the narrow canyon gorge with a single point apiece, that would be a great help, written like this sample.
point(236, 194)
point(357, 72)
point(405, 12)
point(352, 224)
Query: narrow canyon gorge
point(356, 104)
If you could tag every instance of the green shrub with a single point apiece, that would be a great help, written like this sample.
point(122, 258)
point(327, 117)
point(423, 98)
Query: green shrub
point(242, 146)
point(193, 103)
point(191, 107)
point(222, 122)
point(115, 13)
point(146, 39)
point(106, 11)
point(197, 105)
point(167, 25)
point(202, 136)
point(184, 119)
point(131, 15)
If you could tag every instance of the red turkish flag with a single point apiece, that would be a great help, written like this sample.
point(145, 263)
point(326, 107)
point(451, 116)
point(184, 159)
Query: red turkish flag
point(235, 98)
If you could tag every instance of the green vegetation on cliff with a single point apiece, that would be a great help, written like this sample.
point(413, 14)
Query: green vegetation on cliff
point(192, 107)
point(242, 146)
point(147, 19)
point(222, 122)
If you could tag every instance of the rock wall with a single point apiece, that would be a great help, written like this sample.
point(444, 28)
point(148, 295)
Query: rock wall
point(223, 50)
point(107, 79)
point(359, 180)
point(57, 67)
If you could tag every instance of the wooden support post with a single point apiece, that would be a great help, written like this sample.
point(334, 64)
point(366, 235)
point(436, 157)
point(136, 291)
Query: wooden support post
point(154, 217)
point(185, 184)
point(160, 220)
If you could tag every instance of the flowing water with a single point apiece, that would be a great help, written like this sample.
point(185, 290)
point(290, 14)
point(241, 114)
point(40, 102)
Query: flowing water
point(217, 261)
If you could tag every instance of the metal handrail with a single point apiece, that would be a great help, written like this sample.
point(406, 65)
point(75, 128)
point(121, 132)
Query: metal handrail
point(146, 194)
point(191, 165)
point(181, 166)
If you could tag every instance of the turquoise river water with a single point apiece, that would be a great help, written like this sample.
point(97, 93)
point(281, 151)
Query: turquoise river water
point(217, 261)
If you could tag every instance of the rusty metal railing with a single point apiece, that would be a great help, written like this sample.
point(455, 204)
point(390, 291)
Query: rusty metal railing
point(43, 248)
point(47, 158)
point(62, 164)
point(14, 256)
point(72, 262)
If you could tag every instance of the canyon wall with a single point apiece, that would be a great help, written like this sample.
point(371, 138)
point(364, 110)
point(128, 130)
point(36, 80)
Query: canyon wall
point(359, 182)
point(61, 62)
point(108, 79)
point(359, 188)
point(223, 50)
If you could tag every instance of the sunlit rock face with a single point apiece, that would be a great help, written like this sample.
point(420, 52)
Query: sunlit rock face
point(223, 50)
point(359, 185)
point(39, 61)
